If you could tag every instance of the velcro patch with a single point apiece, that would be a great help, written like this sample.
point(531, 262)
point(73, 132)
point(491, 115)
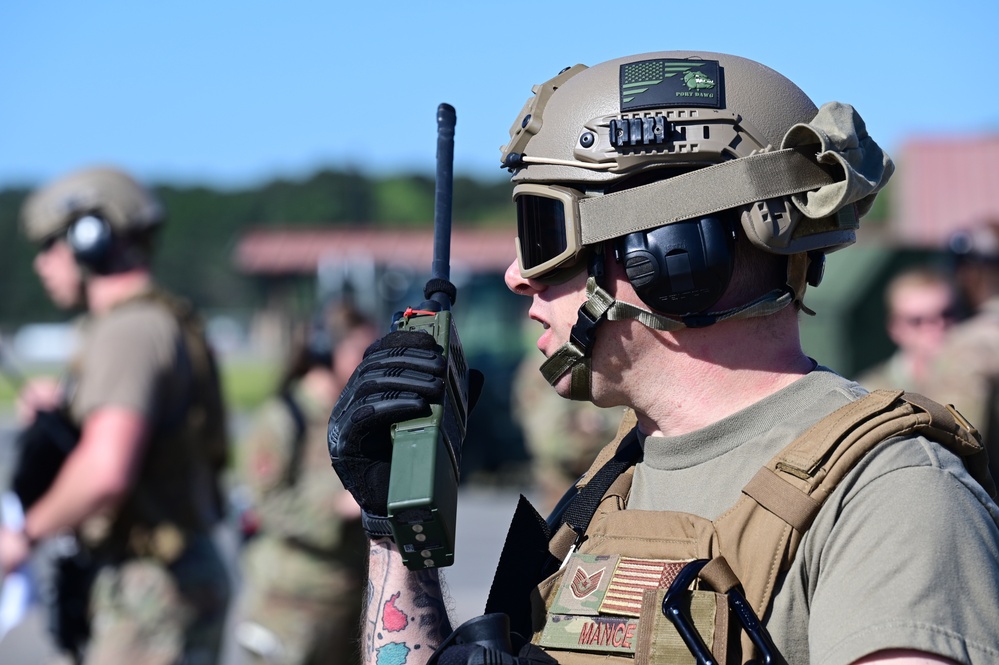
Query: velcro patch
point(581, 633)
point(584, 584)
point(633, 576)
point(663, 83)
point(599, 602)
point(658, 641)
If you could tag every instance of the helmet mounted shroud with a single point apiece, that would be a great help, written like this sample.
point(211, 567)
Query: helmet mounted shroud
point(749, 146)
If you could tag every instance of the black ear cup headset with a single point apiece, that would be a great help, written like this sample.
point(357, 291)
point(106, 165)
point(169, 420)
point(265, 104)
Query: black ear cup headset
point(680, 268)
point(90, 237)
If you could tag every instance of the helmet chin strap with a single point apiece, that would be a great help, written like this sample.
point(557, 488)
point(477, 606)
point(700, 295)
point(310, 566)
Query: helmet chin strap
point(575, 355)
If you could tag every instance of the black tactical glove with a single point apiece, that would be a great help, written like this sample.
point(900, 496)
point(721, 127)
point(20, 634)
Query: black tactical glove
point(401, 375)
point(473, 654)
point(486, 640)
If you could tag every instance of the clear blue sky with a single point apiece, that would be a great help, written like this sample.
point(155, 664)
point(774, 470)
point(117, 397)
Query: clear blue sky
point(230, 93)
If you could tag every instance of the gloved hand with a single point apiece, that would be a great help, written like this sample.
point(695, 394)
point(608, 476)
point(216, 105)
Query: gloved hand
point(474, 654)
point(486, 640)
point(400, 376)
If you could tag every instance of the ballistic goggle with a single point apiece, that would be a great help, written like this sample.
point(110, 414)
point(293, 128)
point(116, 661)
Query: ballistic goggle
point(548, 230)
point(556, 223)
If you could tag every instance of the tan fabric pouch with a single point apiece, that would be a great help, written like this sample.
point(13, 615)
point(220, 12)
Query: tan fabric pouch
point(658, 640)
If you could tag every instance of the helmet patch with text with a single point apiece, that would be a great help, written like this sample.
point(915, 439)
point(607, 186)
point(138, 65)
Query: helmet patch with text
point(664, 83)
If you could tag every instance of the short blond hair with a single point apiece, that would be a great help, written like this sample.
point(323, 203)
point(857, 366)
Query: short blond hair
point(918, 277)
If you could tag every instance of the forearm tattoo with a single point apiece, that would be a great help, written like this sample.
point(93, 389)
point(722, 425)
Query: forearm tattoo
point(406, 619)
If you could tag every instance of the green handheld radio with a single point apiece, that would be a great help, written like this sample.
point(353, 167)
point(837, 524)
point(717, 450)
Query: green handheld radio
point(426, 452)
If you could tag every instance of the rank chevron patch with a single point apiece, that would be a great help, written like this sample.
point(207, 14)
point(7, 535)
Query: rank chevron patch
point(583, 584)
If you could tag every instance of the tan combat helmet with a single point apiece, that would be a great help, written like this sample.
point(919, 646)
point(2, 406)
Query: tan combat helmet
point(128, 207)
point(683, 146)
point(799, 177)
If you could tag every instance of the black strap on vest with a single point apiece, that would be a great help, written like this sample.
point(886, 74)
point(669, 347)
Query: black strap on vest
point(582, 503)
point(525, 560)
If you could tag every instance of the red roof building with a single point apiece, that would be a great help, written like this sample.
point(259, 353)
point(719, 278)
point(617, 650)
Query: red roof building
point(943, 185)
point(290, 251)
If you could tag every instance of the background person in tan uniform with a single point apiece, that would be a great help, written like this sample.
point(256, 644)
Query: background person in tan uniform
point(140, 487)
point(967, 368)
point(657, 287)
point(562, 436)
point(921, 306)
point(304, 566)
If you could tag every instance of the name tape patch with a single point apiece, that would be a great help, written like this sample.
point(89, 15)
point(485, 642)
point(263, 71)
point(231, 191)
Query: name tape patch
point(579, 633)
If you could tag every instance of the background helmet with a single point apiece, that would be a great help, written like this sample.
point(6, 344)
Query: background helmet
point(980, 243)
point(108, 193)
point(659, 138)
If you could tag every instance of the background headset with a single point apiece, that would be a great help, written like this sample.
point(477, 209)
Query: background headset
point(681, 268)
point(90, 237)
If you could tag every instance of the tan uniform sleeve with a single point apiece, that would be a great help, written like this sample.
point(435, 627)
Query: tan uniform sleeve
point(925, 580)
point(128, 360)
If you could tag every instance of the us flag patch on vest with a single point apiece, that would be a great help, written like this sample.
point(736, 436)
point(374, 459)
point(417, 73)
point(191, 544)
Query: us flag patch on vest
point(632, 577)
point(599, 601)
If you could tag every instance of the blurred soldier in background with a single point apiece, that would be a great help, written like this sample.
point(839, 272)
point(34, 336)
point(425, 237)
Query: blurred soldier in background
point(562, 436)
point(921, 305)
point(140, 488)
point(305, 563)
point(967, 368)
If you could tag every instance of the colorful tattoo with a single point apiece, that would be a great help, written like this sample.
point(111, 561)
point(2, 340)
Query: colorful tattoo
point(404, 607)
point(393, 653)
point(393, 619)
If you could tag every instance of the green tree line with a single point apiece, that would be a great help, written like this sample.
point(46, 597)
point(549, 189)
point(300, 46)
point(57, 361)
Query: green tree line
point(196, 245)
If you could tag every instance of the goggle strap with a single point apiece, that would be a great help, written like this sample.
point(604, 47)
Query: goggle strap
point(738, 182)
